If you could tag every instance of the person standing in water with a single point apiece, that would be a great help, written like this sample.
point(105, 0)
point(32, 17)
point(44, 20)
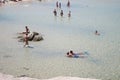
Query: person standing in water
point(61, 13)
point(55, 12)
point(57, 4)
point(68, 3)
point(69, 14)
point(60, 5)
point(26, 40)
point(26, 36)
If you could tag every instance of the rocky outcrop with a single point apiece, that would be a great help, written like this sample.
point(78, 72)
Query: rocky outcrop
point(34, 36)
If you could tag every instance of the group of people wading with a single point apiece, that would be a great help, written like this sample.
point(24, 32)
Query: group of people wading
point(58, 5)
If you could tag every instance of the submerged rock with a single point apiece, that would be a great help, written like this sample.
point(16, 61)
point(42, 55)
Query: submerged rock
point(38, 38)
point(7, 56)
point(22, 75)
point(25, 68)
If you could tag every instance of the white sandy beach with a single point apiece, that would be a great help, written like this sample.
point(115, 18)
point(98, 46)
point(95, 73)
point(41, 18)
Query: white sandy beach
point(10, 77)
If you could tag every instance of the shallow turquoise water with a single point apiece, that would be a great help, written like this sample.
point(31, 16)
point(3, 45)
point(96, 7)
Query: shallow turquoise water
point(47, 59)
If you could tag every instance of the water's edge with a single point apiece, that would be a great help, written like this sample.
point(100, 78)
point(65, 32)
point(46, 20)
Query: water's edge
point(10, 77)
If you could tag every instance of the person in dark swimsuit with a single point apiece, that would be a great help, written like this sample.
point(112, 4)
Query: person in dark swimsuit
point(27, 30)
point(68, 3)
point(55, 12)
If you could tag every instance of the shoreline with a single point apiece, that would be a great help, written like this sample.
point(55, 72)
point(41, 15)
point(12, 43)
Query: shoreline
point(10, 77)
point(14, 2)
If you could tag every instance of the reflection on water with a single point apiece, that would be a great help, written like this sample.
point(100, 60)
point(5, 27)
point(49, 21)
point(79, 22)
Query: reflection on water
point(61, 34)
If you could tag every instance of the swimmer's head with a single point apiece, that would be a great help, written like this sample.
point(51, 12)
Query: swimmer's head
point(71, 51)
point(67, 53)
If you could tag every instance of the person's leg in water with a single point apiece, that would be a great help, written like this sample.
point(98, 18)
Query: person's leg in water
point(26, 40)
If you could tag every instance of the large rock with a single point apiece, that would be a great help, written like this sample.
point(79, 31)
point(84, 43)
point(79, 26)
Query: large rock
point(38, 38)
point(34, 36)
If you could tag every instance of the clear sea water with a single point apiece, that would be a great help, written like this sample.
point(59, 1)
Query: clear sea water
point(48, 57)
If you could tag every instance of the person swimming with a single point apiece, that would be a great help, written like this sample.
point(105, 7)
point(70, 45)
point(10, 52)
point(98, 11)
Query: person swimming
point(71, 54)
point(96, 33)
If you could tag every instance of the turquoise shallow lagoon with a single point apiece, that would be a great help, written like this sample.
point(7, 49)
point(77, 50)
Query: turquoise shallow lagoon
point(48, 57)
